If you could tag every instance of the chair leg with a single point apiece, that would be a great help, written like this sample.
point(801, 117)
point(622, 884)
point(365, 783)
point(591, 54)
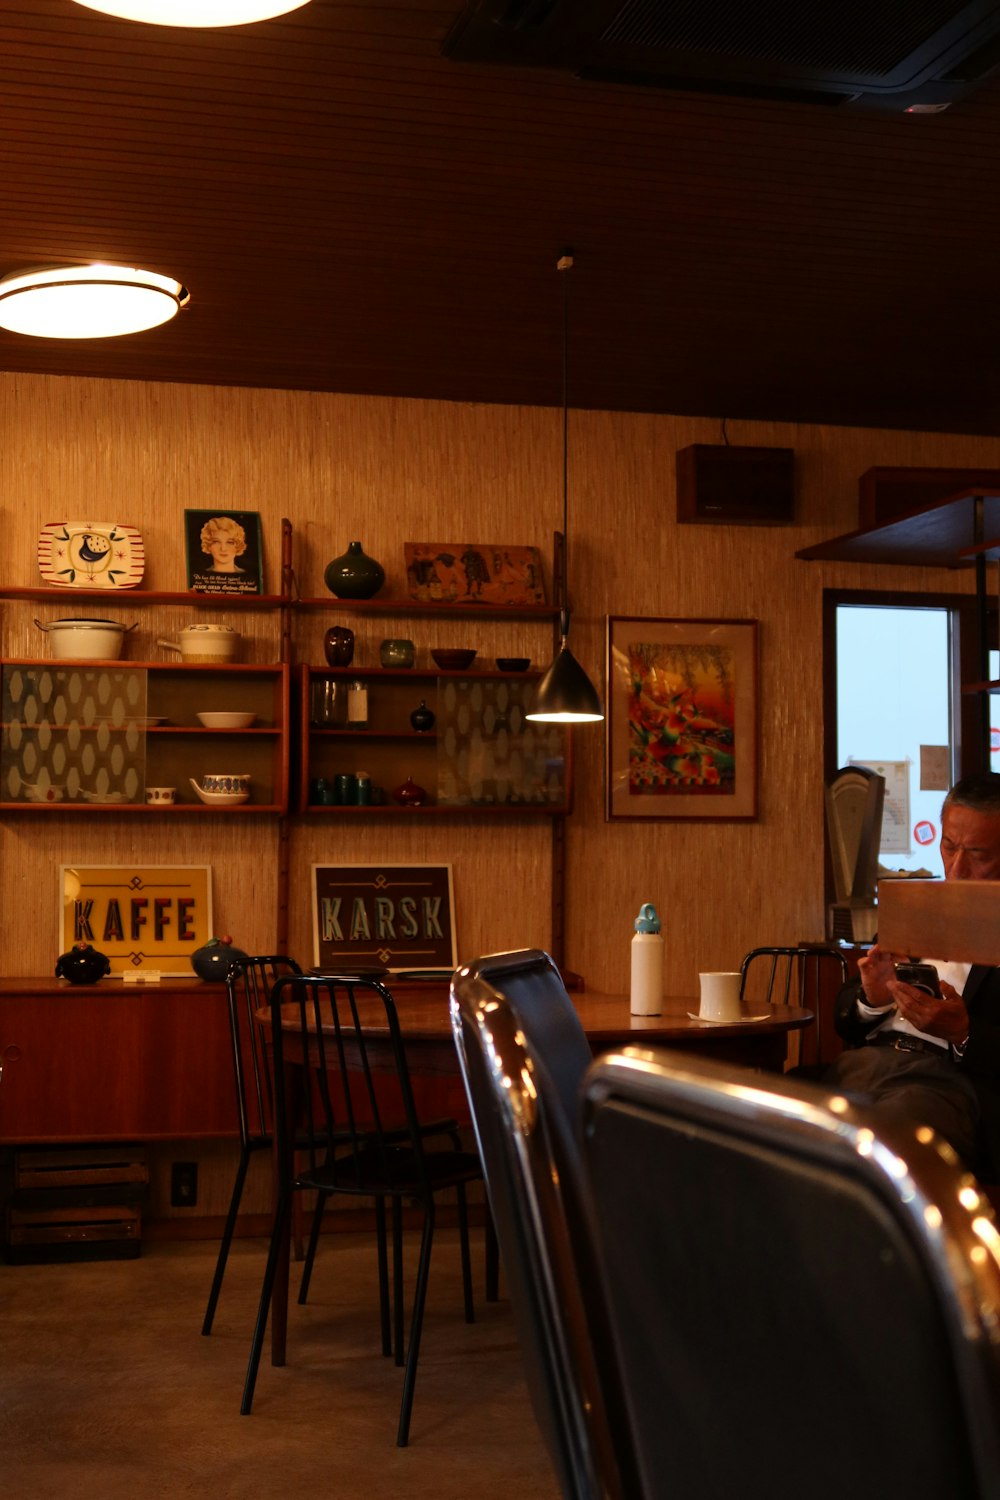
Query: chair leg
point(260, 1327)
point(416, 1325)
point(397, 1276)
point(313, 1246)
point(492, 1258)
point(227, 1239)
point(383, 1276)
point(463, 1236)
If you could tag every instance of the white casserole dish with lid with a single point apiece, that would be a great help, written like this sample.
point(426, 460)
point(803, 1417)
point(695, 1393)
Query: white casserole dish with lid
point(85, 640)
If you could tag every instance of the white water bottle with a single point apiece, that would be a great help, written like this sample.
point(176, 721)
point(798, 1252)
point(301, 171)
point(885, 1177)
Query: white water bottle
point(646, 995)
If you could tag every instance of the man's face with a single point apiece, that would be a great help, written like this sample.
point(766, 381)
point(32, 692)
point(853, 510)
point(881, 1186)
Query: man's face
point(970, 844)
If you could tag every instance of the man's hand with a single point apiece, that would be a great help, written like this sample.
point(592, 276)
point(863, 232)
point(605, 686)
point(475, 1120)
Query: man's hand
point(875, 971)
point(946, 1018)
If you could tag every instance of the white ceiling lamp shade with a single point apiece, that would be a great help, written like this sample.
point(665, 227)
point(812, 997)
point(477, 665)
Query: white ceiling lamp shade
point(195, 12)
point(87, 302)
point(565, 694)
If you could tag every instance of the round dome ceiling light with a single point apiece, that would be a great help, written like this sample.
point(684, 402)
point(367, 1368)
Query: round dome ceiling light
point(87, 302)
point(195, 12)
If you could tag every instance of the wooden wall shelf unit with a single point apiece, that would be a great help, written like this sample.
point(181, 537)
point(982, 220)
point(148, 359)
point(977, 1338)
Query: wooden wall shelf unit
point(959, 531)
point(135, 752)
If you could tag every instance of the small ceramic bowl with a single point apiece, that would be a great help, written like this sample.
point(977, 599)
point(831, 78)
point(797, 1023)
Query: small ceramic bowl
point(226, 720)
point(513, 663)
point(453, 660)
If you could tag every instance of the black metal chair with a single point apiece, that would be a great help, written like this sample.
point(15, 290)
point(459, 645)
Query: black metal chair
point(248, 988)
point(758, 1232)
point(806, 976)
point(523, 1055)
point(363, 1139)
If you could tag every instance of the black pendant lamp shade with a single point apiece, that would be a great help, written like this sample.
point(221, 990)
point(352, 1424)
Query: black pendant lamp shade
point(566, 694)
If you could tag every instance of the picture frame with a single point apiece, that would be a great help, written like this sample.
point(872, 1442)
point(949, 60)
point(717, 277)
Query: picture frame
point(141, 917)
point(474, 573)
point(399, 918)
point(681, 733)
point(224, 551)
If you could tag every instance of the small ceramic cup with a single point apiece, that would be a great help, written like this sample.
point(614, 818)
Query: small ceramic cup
point(160, 796)
point(720, 997)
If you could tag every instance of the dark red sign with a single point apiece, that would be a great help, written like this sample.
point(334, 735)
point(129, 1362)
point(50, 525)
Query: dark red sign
point(925, 833)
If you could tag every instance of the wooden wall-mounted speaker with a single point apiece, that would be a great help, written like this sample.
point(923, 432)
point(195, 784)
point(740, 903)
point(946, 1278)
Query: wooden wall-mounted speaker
point(724, 485)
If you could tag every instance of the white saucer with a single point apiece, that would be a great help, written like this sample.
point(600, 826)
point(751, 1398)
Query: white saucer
point(763, 1015)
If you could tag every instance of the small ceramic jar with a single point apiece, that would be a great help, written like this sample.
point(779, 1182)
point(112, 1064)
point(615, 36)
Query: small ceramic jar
point(82, 965)
point(397, 653)
point(422, 717)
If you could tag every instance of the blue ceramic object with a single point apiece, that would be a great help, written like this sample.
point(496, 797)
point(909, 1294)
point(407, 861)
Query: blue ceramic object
point(422, 718)
point(82, 965)
point(216, 958)
point(354, 575)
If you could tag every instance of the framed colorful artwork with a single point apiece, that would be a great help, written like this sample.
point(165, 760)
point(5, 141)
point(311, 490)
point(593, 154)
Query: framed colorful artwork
point(473, 573)
point(396, 917)
point(225, 554)
point(681, 728)
point(142, 917)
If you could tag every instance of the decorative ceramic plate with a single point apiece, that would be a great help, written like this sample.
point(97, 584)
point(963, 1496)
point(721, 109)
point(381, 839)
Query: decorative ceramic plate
point(90, 555)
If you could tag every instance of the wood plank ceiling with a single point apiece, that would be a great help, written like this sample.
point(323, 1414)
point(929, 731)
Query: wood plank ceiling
point(354, 212)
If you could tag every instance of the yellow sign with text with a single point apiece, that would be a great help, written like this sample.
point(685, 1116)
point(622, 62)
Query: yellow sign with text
point(139, 916)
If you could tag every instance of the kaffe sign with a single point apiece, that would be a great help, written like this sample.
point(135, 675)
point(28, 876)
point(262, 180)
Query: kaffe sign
point(395, 916)
point(142, 917)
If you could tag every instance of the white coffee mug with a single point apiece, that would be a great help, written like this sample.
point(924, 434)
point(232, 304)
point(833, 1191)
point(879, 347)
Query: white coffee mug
point(720, 997)
point(160, 796)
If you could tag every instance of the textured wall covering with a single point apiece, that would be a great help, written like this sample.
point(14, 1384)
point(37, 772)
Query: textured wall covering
point(387, 471)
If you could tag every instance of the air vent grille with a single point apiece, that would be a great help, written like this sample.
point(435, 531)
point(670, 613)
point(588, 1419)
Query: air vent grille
point(853, 37)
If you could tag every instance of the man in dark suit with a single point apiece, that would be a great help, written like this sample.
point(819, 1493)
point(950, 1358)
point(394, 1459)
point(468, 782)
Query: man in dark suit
point(926, 1060)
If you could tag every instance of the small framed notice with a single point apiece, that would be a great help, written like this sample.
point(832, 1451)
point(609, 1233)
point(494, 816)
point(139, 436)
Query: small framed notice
point(142, 917)
point(225, 554)
point(396, 917)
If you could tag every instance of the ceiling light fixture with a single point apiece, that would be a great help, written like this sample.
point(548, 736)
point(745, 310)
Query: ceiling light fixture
point(195, 12)
point(87, 302)
point(566, 694)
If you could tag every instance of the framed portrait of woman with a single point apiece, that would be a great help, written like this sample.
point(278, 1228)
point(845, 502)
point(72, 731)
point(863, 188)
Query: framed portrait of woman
point(225, 554)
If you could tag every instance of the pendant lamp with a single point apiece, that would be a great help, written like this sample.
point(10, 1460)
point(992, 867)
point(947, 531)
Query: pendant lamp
point(566, 694)
point(87, 302)
point(194, 12)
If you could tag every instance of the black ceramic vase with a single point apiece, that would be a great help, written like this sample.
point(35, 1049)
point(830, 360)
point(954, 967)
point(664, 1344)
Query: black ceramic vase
point(354, 575)
point(338, 645)
point(82, 965)
point(214, 961)
point(422, 718)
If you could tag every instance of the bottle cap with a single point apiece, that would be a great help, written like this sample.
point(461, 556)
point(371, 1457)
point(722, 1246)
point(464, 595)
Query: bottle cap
point(647, 920)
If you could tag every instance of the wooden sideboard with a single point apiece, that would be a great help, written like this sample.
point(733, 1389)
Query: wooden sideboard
point(107, 1062)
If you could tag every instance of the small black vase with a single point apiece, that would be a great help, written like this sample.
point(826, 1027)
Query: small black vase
point(422, 718)
point(354, 575)
point(82, 965)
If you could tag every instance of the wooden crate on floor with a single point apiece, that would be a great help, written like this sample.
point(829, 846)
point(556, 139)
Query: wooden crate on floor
point(76, 1203)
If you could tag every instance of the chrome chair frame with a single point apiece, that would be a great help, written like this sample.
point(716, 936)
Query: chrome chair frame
point(760, 1234)
point(523, 1054)
point(808, 993)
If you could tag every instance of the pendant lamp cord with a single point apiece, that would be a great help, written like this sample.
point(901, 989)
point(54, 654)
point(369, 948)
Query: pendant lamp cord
point(564, 263)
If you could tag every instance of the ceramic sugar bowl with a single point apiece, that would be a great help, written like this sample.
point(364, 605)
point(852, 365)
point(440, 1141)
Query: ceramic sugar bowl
point(82, 965)
point(214, 960)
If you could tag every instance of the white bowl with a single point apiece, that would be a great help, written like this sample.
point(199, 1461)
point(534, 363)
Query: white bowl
point(226, 720)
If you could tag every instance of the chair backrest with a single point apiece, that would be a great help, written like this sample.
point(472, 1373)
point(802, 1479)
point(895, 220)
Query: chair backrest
point(523, 1055)
point(359, 1103)
point(807, 975)
point(248, 989)
point(805, 1302)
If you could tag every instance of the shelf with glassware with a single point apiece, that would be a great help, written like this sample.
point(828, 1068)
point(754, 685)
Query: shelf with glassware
point(378, 741)
point(99, 736)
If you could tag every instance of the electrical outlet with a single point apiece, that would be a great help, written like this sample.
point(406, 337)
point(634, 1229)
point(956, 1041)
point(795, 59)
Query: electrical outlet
point(184, 1184)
